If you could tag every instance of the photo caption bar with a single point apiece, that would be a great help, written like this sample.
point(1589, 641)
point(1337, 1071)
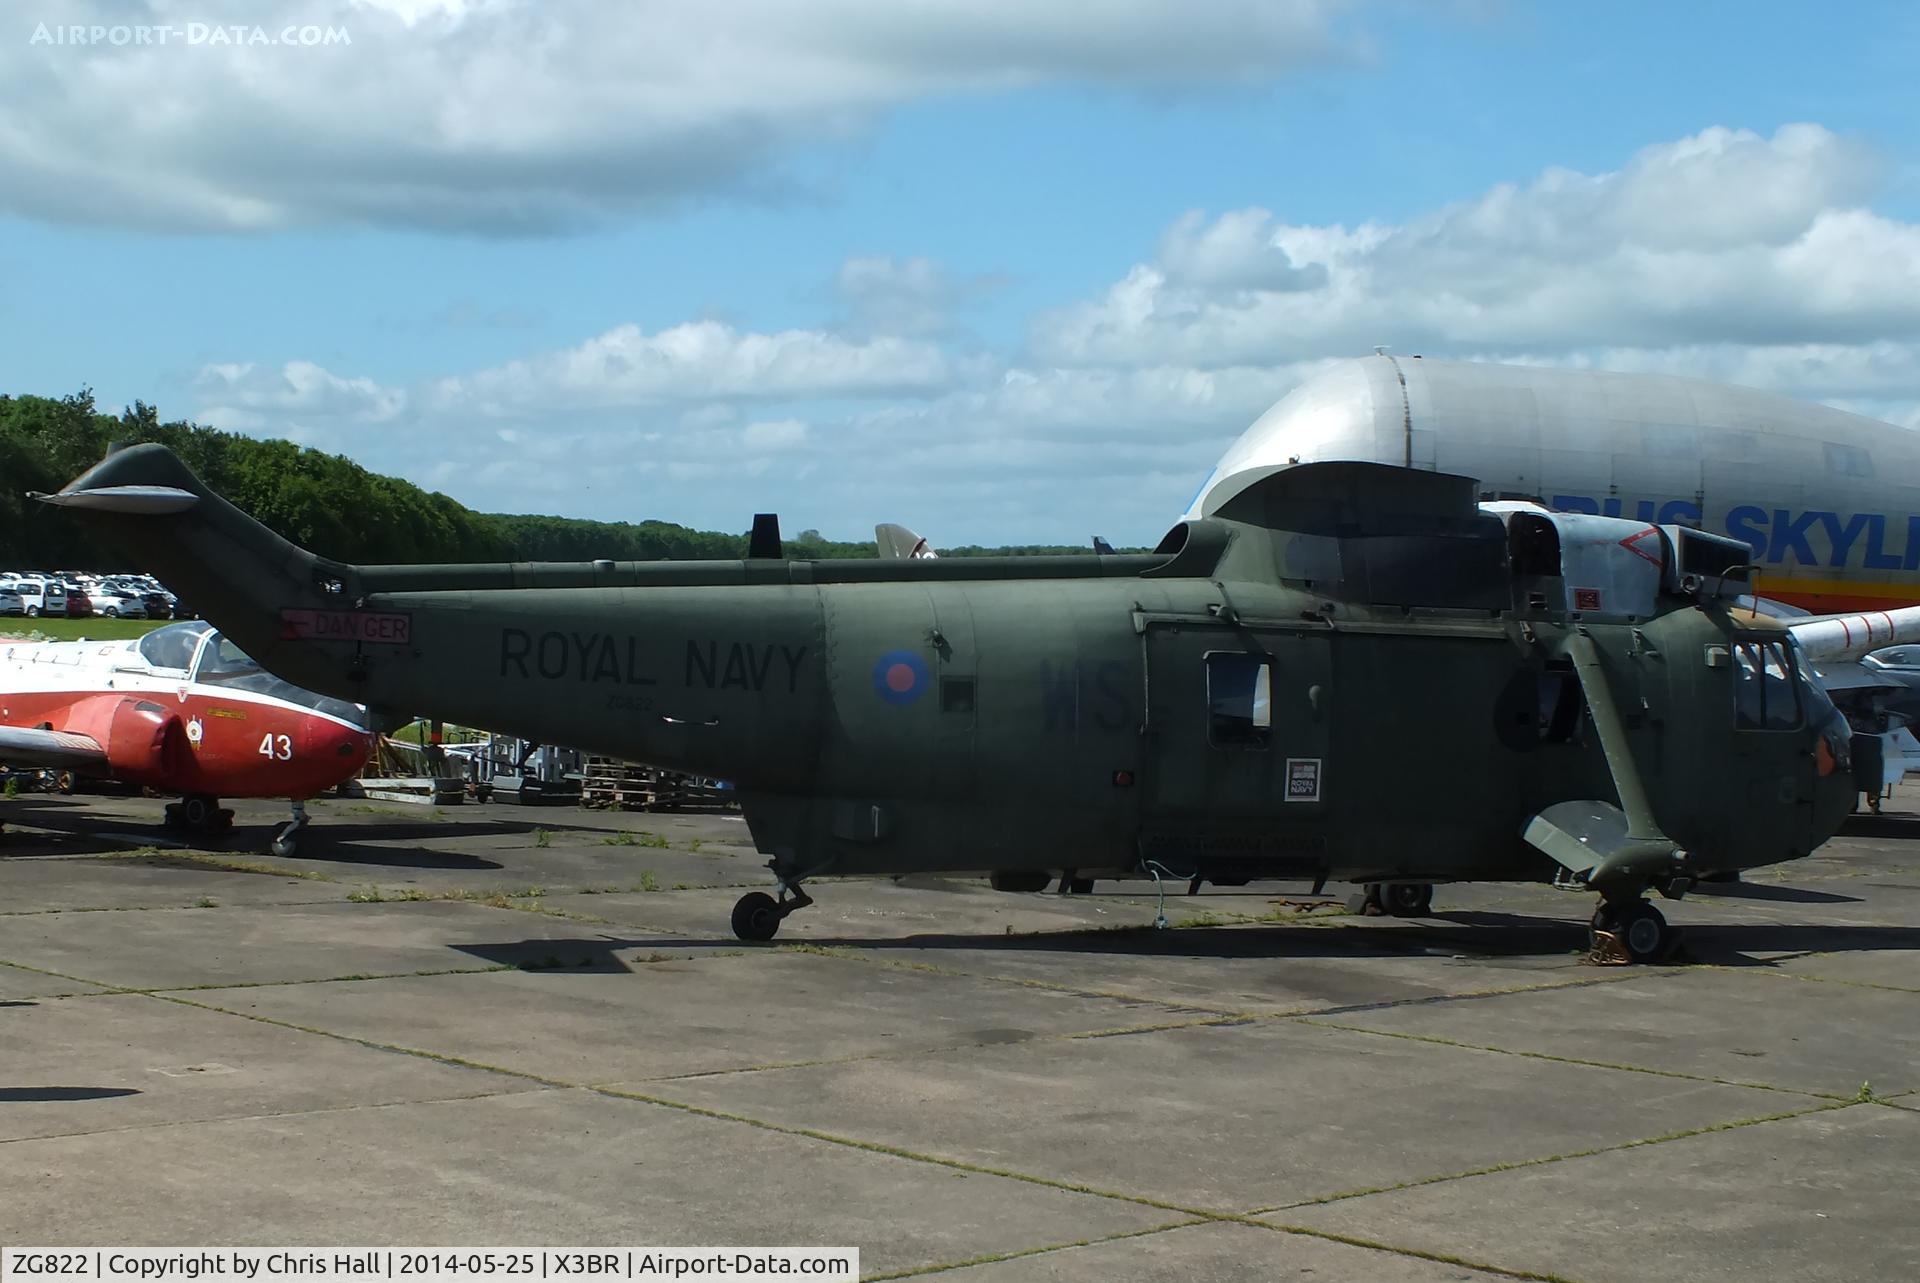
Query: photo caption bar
point(427, 1264)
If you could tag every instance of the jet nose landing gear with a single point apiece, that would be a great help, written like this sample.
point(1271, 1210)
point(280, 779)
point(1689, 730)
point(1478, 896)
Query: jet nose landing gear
point(757, 915)
point(286, 838)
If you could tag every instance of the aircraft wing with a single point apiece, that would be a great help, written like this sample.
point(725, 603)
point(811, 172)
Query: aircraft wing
point(1841, 637)
point(23, 746)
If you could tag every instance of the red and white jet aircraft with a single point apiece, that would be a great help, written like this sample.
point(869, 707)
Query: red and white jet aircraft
point(183, 710)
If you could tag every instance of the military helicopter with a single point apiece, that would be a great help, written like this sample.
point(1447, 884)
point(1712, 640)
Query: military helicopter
point(1578, 697)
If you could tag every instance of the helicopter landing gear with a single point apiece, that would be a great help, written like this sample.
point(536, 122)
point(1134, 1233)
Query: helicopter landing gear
point(199, 813)
point(1635, 929)
point(757, 915)
point(1400, 899)
point(286, 838)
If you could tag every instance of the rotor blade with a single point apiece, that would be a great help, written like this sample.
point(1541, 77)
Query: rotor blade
point(1837, 637)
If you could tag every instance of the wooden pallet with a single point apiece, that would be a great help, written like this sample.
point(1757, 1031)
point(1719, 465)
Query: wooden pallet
point(610, 784)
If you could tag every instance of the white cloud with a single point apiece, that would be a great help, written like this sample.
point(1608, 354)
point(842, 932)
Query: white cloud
point(1125, 400)
point(515, 115)
point(917, 296)
point(1720, 236)
point(247, 396)
point(773, 436)
point(627, 367)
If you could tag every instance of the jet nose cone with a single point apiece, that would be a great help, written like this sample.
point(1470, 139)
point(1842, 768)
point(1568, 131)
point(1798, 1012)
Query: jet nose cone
point(336, 748)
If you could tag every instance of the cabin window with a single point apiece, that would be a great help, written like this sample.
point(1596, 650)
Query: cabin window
point(1848, 460)
point(1562, 707)
point(1239, 699)
point(1765, 695)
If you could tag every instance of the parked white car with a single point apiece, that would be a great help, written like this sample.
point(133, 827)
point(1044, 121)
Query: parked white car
point(10, 603)
point(116, 604)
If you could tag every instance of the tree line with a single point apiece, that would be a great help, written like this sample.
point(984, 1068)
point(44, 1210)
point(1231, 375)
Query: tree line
point(323, 502)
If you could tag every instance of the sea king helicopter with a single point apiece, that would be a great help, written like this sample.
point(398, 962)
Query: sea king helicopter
point(1346, 671)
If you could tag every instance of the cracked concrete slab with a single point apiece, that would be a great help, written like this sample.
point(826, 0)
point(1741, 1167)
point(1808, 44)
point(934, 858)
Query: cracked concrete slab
point(1229, 1118)
point(691, 1015)
point(130, 884)
point(545, 1167)
point(1825, 1197)
point(951, 1013)
point(1218, 1253)
point(122, 1061)
point(1722, 1024)
point(175, 948)
point(19, 985)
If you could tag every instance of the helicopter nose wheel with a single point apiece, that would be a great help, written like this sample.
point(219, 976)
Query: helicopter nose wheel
point(757, 916)
point(1637, 928)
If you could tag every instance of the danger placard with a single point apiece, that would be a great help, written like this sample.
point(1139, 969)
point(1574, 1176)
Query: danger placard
point(379, 628)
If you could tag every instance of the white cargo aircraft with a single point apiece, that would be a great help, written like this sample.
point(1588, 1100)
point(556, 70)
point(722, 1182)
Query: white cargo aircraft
point(1828, 501)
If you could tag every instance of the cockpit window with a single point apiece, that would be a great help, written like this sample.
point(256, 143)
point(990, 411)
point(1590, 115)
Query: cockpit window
point(1765, 695)
point(172, 647)
point(223, 663)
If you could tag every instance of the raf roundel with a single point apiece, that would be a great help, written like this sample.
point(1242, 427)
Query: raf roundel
point(900, 677)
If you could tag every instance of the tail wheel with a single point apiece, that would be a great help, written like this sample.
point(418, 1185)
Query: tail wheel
point(756, 916)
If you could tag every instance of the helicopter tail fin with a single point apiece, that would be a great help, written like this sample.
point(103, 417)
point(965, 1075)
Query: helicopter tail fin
point(232, 570)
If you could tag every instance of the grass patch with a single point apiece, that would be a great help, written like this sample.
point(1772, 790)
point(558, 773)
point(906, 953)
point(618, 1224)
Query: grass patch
point(375, 895)
point(693, 845)
point(206, 902)
point(542, 838)
point(648, 882)
point(97, 628)
point(620, 839)
point(163, 857)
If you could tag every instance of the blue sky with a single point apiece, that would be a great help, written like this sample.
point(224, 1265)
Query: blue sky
point(877, 267)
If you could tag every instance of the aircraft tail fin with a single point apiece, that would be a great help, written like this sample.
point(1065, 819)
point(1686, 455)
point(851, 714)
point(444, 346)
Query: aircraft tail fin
point(897, 543)
point(228, 567)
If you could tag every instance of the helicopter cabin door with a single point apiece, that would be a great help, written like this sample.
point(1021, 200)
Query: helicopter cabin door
point(1235, 773)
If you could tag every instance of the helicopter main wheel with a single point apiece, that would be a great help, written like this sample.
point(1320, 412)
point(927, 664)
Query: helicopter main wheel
point(1639, 928)
point(1406, 899)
